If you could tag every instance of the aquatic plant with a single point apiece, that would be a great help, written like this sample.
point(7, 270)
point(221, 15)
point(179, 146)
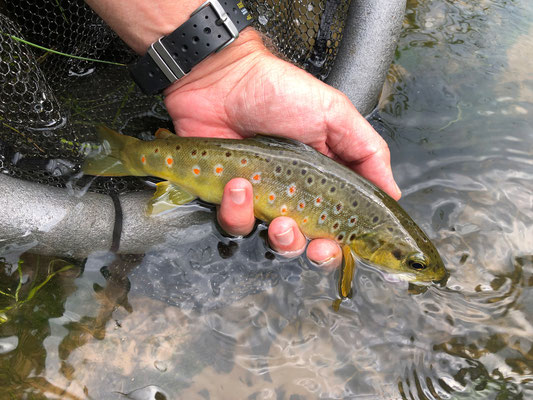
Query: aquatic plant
point(15, 298)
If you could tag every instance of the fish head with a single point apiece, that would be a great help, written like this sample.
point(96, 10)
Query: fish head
point(414, 259)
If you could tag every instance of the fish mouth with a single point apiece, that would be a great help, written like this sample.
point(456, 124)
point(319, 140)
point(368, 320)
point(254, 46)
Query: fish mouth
point(441, 281)
point(395, 277)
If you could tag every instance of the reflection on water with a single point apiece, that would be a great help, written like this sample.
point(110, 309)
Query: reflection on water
point(228, 319)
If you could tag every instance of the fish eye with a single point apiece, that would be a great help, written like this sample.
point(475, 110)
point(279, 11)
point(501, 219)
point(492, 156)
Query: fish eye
point(418, 265)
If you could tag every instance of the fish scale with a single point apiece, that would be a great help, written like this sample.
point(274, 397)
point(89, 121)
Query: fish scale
point(325, 199)
point(313, 202)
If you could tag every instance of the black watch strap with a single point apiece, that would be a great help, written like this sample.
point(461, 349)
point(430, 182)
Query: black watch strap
point(213, 26)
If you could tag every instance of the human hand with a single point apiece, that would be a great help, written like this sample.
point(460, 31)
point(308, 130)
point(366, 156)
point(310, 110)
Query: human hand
point(245, 90)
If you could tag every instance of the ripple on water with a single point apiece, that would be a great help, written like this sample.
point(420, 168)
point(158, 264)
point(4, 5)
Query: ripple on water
point(212, 317)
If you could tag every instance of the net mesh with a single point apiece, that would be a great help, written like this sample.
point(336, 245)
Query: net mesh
point(50, 103)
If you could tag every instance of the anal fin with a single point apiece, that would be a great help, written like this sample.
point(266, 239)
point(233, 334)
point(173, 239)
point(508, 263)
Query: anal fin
point(167, 196)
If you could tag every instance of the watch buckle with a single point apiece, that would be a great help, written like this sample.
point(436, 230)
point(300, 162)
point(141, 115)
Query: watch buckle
point(223, 17)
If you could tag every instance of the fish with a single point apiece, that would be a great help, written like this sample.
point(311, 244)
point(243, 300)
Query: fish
point(289, 178)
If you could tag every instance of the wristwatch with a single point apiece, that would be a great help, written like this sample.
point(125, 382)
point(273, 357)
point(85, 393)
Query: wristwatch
point(213, 26)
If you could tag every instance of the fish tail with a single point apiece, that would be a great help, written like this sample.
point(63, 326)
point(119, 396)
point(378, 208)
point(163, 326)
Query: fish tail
point(111, 161)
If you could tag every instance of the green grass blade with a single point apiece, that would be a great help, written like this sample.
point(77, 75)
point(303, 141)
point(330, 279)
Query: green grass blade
point(60, 53)
point(34, 290)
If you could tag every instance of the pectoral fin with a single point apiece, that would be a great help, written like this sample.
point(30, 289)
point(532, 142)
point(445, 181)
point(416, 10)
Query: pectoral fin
point(346, 276)
point(167, 197)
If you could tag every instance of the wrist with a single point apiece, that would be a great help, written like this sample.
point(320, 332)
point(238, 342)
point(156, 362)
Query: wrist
point(140, 23)
point(241, 54)
point(175, 46)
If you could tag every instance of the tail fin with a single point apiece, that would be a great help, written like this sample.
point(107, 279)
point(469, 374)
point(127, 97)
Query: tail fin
point(110, 161)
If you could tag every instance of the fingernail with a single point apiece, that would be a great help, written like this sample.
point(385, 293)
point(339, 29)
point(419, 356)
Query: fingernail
point(285, 238)
point(237, 196)
point(398, 188)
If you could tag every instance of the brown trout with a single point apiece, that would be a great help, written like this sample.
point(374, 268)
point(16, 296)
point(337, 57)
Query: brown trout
point(326, 199)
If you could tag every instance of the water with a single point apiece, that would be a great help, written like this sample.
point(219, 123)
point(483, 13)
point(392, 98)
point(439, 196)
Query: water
point(226, 318)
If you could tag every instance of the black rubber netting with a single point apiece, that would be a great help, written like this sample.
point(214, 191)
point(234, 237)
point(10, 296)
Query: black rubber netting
point(50, 104)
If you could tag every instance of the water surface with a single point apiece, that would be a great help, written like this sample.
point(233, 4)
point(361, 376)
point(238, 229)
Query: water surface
point(211, 317)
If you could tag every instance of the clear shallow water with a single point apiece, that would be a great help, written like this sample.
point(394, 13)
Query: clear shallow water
point(211, 317)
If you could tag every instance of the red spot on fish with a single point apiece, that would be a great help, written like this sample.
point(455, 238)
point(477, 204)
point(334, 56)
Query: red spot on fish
point(143, 159)
point(301, 205)
point(283, 210)
point(170, 161)
point(318, 200)
point(292, 189)
point(219, 170)
point(271, 197)
point(196, 171)
point(244, 161)
point(256, 177)
point(323, 217)
point(156, 150)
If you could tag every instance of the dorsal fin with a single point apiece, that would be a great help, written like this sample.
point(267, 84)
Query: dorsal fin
point(283, 143)
point(163, 133)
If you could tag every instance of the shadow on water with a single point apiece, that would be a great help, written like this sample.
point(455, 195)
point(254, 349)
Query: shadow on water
point(205, 316)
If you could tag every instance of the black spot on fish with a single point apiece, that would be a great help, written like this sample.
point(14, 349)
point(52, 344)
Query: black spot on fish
point(193, 153)
point(375, 219)
point(228, 154)
point(352, 237)
point(352, 220)
point(355, 203)
point(289, 172)
point(156, 150)
point(295, 162)
point(343, 185)
point(332, 189)
point(339, 206)
point(178, 147)
point(397, 254)
point(268, 159)
point(390, 229)
point(323, 181)
point(303, 171)
point(204, 153)
point(278, 169)
point(340, 237)
point(335, 225)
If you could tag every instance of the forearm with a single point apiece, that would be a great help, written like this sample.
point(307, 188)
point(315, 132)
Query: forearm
point(140, 22)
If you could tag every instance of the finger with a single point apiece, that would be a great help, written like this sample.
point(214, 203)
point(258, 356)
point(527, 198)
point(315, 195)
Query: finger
point(324, 252)
point(285, 237)
point(236, 212)
point(355, 141)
